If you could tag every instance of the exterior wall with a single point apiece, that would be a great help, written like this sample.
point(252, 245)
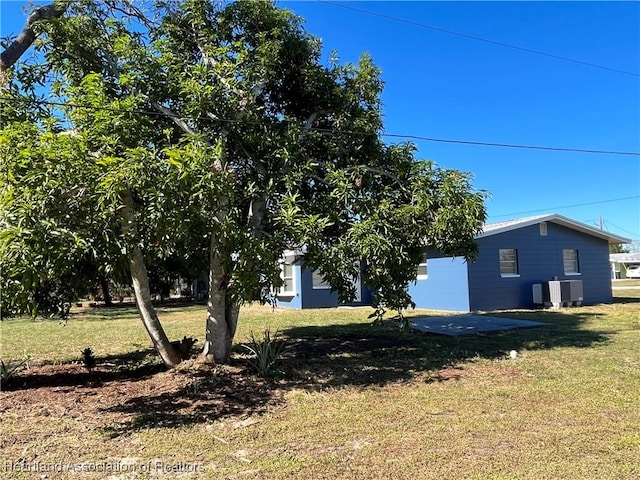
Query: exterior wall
point(446, 288)
point(366, 298)
point(308, 297)
point(293, 301)
point(539, 260)
point(318, 297)
point(456, 285)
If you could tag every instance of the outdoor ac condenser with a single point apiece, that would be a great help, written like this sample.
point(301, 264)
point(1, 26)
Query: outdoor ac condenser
point(553, 291)
point(571, 291)
point(537, 294)
point(557, 293)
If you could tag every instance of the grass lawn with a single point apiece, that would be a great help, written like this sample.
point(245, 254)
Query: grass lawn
point(627, 282)
point(351, 401)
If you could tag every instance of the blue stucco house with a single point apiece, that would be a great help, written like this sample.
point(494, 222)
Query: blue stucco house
point(513, 256)
point(304, 288)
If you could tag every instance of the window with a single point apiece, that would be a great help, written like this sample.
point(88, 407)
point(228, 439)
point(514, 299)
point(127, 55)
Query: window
point(318, 281)
point(422, 272)
point(288, 280)
point(570, 261)
point(508, 262)
point(543, 229)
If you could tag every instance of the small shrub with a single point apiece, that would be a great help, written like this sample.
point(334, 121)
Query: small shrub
point(184, 346)
point(206, 383)
point(88, 359)
point(9, 370)
point(403, 322)
point(150, 361)
point(267, 352)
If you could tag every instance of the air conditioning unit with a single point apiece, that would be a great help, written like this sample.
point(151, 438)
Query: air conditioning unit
point(571, 291)
point(558, 293)
point(553, 291)
point(537, 294)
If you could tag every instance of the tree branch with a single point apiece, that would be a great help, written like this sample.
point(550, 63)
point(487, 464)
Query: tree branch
point(365, 168)
point(27, 36)
point(319, 179)
point(244, 98)
point(131, 11)
point(184, 126)
point(309, 123)
point(380, 172)
point(212, 63)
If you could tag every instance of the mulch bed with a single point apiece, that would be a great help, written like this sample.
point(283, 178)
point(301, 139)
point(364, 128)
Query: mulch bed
point(129, 397)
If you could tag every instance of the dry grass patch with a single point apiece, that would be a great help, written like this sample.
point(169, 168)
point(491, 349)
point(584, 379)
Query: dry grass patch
point(351, 401)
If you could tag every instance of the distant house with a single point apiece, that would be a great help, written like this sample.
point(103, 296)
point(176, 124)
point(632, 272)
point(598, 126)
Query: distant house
point(620, 262)
point(513, 256)
point(304, 288)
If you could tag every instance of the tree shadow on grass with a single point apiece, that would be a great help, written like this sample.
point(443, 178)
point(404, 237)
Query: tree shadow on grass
point(339, 356)
point(130, 367)
point(101, 312)
point(316, 358)
point(129, 308)
point(625, 300)
point(209, 394)
point(334, 356)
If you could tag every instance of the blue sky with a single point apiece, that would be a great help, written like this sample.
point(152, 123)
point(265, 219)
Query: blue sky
point(446, 86)
point(440, 85)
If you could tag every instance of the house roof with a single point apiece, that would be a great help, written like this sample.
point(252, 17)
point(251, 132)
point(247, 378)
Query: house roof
point(501, 227)
point(624, 257)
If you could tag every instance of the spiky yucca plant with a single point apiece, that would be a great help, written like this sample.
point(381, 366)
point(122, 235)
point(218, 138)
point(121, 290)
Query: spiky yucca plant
point(88, 359)
point(8, 370)
point(266, 351)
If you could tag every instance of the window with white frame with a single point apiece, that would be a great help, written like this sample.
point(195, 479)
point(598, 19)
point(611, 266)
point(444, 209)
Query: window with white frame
point(318, 282)
point(422, 272)
point(288, 279)
point(508, 262)
point(570, 261)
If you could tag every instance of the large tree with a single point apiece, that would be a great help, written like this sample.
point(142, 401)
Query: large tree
point(216, 131)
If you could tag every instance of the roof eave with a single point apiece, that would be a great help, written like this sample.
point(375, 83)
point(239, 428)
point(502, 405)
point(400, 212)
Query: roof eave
point(564, 221)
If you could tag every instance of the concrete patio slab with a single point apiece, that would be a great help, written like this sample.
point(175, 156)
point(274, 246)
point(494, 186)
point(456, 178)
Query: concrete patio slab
point(469, 324)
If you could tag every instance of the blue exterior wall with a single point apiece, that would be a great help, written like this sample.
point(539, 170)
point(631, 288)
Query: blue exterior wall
point(366, 297)
point(316, 298)
point(453, 284)
point(446, 287)
point(308, 297)
point(293, 301)
point(539, 260)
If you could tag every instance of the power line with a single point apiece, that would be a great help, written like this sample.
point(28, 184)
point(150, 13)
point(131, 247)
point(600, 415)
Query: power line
point(620, 228)
point(480, 39)
point(511, 145)
point(343, 132)
point(566, 206)
point(603, 223)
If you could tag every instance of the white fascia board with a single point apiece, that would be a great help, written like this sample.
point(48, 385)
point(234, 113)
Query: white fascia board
point(496, 228)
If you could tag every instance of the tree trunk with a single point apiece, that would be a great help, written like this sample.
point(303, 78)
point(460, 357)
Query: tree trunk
point(222, 314)
point(27, 36)
point(170, 355)
point(106, 296)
